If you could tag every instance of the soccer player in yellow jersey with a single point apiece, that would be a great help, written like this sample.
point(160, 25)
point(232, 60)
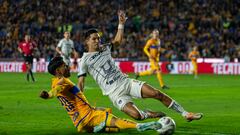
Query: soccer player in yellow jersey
point(84, 116)
point(193, 55)
point(152, 50)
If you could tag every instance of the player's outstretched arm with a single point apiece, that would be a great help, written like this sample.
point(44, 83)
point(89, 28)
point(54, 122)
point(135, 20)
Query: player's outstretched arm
point(81, 80)
point(119, 36)
point(52, 93)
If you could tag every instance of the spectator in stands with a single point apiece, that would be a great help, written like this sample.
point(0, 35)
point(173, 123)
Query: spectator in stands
point(211, 25)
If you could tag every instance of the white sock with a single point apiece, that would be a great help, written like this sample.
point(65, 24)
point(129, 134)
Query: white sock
point(184, 114)
point(142, 113)
point(178, 108)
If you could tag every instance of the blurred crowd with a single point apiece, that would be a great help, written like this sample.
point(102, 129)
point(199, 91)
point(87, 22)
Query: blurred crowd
point(213, 26)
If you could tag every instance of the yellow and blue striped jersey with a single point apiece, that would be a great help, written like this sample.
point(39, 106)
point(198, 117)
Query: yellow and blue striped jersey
point(152, 48)
point(71, 98)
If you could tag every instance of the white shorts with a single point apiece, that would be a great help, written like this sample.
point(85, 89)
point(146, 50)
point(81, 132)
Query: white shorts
point(131, 88)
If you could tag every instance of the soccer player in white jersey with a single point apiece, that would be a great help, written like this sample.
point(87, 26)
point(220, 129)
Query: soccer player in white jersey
point(65, 48)
point(99, 63)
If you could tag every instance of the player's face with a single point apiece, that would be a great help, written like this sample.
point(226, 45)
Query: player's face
point(64, 70)
point(66, 35)
point(27, 38)
point(155, 34)
point(93, 41)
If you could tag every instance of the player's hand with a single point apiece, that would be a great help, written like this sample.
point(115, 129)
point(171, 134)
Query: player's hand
point(122, 17)
point(44, 94)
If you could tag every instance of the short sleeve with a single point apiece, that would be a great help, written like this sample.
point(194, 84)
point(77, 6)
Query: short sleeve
point(82, 68)
point(53, 92)
point(72, 44)
point(60, 43)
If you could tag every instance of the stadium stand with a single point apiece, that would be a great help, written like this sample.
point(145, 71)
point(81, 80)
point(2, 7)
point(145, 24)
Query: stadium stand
point(213, 26)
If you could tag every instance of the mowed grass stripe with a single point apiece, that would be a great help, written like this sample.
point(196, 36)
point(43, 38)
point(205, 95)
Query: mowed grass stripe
point(217, 96)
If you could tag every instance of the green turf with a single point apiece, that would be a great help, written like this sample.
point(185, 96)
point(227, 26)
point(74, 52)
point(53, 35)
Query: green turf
point(217, 96)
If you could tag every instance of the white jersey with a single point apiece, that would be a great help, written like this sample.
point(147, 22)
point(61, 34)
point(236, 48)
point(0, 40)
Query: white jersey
point(67, 47)
point(101, 66)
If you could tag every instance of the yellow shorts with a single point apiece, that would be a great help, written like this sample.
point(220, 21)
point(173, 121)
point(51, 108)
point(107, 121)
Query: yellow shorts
point(94, 118)
point(194, 63)
point(154, 64)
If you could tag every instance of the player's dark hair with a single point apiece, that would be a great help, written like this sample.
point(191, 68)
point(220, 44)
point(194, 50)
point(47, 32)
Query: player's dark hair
point(54, 64)
point(89, 32)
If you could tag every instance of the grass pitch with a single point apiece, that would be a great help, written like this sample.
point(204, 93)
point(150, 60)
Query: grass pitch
point(217, 96)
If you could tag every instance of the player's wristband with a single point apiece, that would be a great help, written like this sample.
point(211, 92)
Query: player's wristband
point(120, 26)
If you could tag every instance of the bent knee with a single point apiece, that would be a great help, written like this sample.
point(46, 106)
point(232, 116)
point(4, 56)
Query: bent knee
point(154, 71)
point(157, 94)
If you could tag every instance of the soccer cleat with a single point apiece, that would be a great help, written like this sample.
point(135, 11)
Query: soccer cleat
point(193, 116)
point(164, 87)
point(99, 127)
point(148, 126)
point(151, 114)
point(137, 76)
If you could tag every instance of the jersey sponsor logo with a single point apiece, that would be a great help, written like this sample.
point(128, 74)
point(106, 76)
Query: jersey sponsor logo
point(113, 80)
point(95, 55)
point(108, 70)
point(99, 53)
point(68, 44)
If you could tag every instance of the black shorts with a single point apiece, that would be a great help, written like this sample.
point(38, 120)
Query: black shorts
point(28, 59)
